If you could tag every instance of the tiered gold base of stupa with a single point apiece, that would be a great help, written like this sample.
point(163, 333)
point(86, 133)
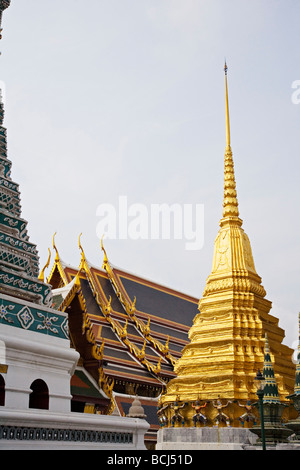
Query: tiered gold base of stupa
point(227, 338)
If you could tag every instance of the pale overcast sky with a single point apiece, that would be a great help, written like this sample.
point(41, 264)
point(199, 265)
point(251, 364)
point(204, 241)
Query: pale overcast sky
point(110, 98)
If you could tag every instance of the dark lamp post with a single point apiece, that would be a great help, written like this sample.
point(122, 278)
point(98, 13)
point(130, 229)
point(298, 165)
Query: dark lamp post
point(260, 383)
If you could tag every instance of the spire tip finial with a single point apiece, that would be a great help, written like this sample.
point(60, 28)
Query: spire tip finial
point(225, 67)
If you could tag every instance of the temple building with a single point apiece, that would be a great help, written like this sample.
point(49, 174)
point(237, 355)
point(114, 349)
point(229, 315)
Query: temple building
point(129, 332)
point(226, 342)
point(136, 337)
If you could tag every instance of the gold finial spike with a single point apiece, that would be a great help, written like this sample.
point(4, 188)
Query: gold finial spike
point(56, 250)
point(79, 243)
point(42, 274)
point(105, 259)
point(83, 258)
point(80, 247)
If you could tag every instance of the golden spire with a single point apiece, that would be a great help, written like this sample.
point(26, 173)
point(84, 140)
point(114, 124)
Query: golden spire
point(230, 203)
point(227, 109)
point(226, 338)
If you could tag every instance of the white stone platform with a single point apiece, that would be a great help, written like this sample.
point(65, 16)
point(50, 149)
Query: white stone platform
point(44, 430)
point(205, 438)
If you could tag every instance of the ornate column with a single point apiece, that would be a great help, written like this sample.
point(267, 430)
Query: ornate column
point(275, 430)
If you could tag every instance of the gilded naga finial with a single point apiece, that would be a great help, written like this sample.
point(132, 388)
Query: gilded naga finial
point(101, 350)
point(123, 334)
point(105, 259)
point(132, 308)
point(83, 258)
point(107, 308)
point(42, 274)
point(147, 328)
point(80, 246)
point(56, 250)
point(142, 352)
point(166, 347)
point(158, 366)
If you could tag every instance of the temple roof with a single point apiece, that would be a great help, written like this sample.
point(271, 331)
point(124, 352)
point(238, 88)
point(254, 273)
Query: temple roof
point(140, 326)
point(83, 387)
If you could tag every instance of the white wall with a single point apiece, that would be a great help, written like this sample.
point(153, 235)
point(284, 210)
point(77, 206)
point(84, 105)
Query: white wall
point(30, 356)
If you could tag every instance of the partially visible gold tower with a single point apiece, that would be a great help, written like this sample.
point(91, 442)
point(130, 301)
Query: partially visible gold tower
point(227, 338)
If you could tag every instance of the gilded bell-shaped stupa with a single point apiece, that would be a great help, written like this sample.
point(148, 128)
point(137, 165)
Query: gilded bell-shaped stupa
point(227, 337)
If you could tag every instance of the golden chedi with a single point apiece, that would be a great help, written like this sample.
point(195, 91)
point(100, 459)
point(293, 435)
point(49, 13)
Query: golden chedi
point(217, 368)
